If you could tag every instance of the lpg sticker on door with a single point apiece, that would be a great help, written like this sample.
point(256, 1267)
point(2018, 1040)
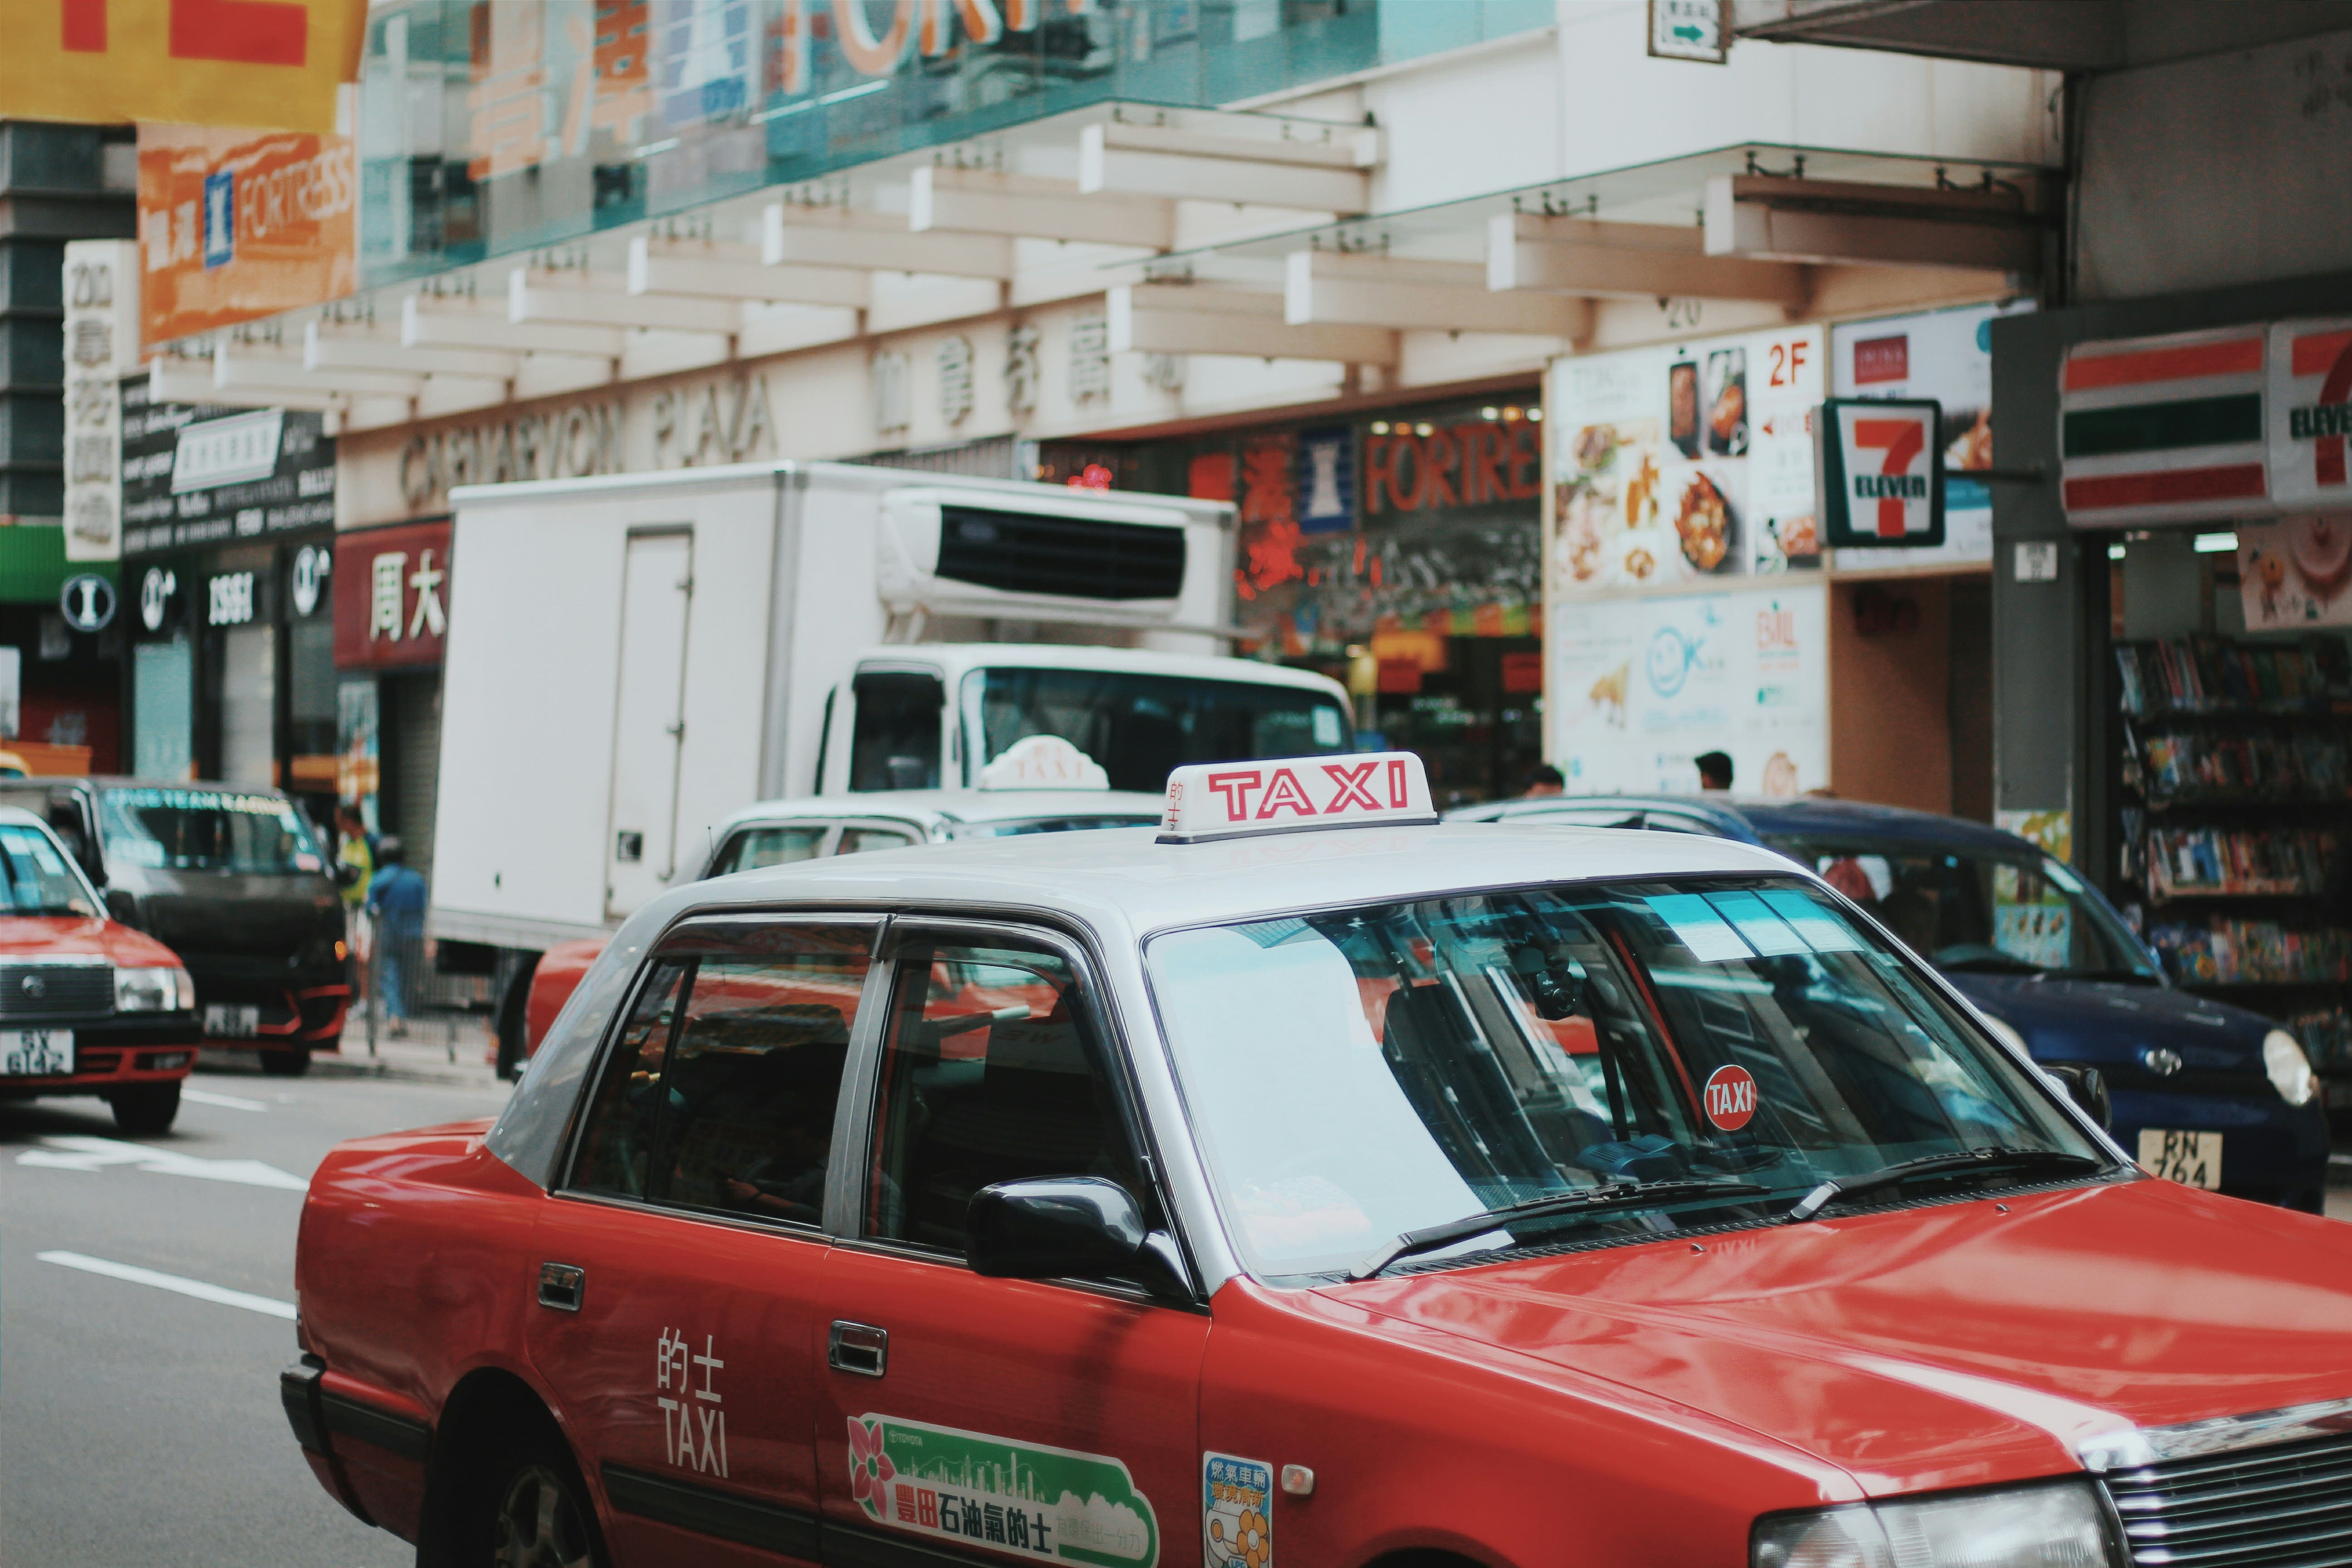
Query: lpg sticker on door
point(1024, 1499)
point(1236, 1511)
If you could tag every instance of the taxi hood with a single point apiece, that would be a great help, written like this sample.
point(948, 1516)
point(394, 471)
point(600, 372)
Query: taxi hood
point(1954, 1344)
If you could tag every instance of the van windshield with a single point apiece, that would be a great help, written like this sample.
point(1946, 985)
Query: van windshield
point(1978, 909)
point(1358, 1074)
point(36, 878)
point(1142, 728)
point(207, 830)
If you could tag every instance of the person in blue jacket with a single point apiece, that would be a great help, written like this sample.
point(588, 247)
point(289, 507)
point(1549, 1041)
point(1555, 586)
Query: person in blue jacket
point(396, 900)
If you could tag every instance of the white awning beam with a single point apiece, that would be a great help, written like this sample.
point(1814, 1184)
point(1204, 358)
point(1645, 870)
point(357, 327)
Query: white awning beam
point(1824, 221)
point(327, 347)
point(980, 201)
point(1528, 251)
point(1169, 161)
point(191, 381)
point(429, 322)
point(243, 369)
point(1430, 296)
point(582, 300)
point(1203, 319)
point(880, 242)
point(695, 270)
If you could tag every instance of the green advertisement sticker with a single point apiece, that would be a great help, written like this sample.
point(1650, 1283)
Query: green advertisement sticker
point(1045, 1504)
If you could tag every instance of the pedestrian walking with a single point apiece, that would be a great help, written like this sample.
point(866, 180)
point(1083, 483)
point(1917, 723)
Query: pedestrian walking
point(395, 900)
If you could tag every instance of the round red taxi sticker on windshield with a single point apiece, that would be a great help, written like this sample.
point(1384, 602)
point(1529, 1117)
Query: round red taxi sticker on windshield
point(1730, 1097)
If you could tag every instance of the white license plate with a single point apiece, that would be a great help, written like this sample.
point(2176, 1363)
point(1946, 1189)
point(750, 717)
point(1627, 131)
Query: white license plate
point(2194, 1158)
point(233, 1021)
point(35, 1053)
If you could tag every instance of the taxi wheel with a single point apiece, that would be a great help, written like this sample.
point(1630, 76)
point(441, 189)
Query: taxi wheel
point(287, 1064)
point(541, 1520)
point(146, 1109)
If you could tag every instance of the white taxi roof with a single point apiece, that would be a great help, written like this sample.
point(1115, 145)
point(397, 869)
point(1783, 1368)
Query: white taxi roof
point(929, 807)
point(1125, 877)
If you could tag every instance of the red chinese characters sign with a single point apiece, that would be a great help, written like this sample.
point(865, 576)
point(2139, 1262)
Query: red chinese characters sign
point(392, 596)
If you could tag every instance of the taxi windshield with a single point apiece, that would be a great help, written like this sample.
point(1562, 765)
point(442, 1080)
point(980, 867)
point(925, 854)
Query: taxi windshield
point(1358, 1074)
point(1979, 909)
point(36, 877)
point(1142, 728)
point(207, 830)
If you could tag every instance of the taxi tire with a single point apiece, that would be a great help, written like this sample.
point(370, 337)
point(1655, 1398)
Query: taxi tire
point(534, 1510)
point(146, 1109)
point(291, 1063)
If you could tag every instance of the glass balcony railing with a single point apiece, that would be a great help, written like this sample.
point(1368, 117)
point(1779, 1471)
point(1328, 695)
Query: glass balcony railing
point(488, 127)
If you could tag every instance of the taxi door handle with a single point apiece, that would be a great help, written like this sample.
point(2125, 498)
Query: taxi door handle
point(561, 1286)
point(858, 1347)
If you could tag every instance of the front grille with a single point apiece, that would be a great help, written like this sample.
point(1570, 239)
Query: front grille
point(2285, 1506)
point(1080, 557)
point(56, 990)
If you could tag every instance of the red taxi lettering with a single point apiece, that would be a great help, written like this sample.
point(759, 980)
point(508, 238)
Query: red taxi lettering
point(1235, 788)
point(1285, 790)
point(1354, 786)
point(1400, 783)
point(1730, 1097)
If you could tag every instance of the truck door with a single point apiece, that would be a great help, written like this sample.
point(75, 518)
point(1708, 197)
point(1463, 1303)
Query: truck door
point(648, 718)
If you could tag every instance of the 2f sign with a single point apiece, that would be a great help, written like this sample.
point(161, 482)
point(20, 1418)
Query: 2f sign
point(1880, 472)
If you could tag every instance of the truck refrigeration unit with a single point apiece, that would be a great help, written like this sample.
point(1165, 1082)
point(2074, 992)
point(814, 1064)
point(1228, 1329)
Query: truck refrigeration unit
point(632, 658)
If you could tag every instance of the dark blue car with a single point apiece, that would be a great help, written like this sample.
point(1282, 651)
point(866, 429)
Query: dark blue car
point(2203, 1092)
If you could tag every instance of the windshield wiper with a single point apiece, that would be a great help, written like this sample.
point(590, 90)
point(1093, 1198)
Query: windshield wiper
point(1615, 1196)
point(1986, 1159)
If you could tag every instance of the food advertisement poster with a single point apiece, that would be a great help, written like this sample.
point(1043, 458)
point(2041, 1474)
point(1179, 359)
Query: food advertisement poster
point(1946, 355)
point(2296, 572)
point(1642, 685)
point(1681, 463)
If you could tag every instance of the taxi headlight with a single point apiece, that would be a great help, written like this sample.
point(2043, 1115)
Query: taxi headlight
point(2022, 1527)
point(164, 989)
point(2289, 1068)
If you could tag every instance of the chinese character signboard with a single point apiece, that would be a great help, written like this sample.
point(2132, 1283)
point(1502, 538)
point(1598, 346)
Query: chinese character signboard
point(392, 596)
point(186, 62)
point(237, 225)
point(1880, 466)
point(196, 474)
point(102, 295)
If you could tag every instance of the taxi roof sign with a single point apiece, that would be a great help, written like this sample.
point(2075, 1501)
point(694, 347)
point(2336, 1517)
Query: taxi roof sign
point(1285, 795)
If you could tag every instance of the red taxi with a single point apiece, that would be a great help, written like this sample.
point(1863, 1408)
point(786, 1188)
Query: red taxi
point(87, 1004)
point(1244, 1193)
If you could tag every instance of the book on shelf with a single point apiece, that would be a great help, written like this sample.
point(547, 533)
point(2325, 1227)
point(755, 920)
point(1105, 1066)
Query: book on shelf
point(2245, 951)
point(2194, 860)
point(2212, 675)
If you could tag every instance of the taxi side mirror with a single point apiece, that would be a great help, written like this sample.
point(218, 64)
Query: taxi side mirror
point(2088, 1087)
point(1050, 1227)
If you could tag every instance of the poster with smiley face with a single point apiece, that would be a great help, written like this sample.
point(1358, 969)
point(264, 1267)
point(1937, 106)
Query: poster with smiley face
point(2296, 572)
point(1236, 1511)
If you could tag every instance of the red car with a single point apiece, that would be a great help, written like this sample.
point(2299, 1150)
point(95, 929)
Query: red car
point(87, 1004)
point(1242, 1193)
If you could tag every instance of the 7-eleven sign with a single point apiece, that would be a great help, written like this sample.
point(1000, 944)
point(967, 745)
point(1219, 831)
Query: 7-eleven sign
point(1880, 472)
point(2309, 412)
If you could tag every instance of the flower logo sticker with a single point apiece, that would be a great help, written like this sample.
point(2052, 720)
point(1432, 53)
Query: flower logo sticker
point(870, 1468)
point(1238, 1511)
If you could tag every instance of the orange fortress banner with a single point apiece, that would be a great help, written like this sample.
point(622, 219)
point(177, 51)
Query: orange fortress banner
point(237, 225)
point(269, 63)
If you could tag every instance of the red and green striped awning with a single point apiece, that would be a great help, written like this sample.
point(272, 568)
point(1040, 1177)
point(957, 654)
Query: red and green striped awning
point(2166, 429)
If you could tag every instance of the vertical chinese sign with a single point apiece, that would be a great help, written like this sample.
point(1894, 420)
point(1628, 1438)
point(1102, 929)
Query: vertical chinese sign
point(101, 294)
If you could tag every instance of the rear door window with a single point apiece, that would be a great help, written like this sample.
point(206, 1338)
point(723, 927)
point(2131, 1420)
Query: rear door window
point(770, 844)
point(720, 1090)
point(857, 838)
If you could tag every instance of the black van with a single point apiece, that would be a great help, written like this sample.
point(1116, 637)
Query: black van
point(234, 880)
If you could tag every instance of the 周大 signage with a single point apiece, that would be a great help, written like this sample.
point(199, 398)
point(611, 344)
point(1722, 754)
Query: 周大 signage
point(1880, 470)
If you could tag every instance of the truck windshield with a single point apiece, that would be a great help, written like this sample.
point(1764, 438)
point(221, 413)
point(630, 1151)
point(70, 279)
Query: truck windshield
point(1142, 727)
point(1980, 910)
point(37, 879)
point(1357, 1074)
point(207, 830)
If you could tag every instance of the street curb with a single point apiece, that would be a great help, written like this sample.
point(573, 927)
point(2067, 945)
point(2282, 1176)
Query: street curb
point(458, 1077)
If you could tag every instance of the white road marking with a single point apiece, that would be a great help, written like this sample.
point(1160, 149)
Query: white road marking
point(78, 1153)
point(197, 1287)
point(225, 1101)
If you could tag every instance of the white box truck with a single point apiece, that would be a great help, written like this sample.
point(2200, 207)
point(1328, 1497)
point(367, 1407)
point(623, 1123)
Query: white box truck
point(632, 658)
